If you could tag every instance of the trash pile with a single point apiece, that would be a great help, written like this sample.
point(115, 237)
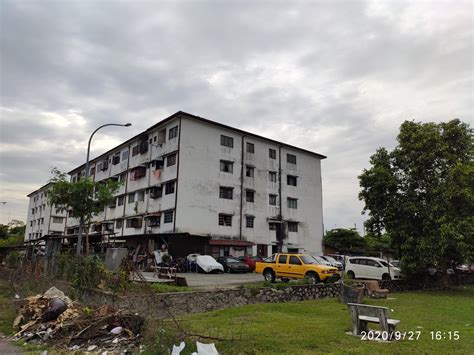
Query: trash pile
point(54, 319)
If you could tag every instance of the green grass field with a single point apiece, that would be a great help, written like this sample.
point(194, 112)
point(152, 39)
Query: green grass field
point(313, 327)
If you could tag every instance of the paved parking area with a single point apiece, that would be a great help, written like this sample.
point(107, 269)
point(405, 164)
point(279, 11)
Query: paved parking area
point(211, 281)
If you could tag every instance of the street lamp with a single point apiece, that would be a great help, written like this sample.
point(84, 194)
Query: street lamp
point(86, 175)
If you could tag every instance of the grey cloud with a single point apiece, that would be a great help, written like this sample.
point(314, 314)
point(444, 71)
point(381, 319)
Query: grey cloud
point(339, 76)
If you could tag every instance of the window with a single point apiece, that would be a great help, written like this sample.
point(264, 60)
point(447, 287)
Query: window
point(156, 192)
point(162, 136)
point(143, 146)
point(120, 200)
point(227, 141)
point(249, 195)
point(141, 195)
point(125, 155)
point(135, 150)
point(116, 159)
point(74, 179)
point(291, 180)
point(272, 226)
point(31, 223)
point(272, 153)
point(168, 217)
point(42, 220)
point(294, 260)
point(226, 192)
point(272, 176)
point(282, 259)
point(225, 219)
point(249, 171)
point(272, 200)
point(290, 158)
point(173, 133)
point(171, 159)
point(122, 177)
point(131, 197)
point(169, 188)
point(92, 171)
point(249, 221)
point(57, 219)
point(119, 223)
point(227, 166)
point(292, 203)
point(292, 226)
point(154, 221)
point(250, 148)
point(32, 211)
point(134, 223)
point(137, 173)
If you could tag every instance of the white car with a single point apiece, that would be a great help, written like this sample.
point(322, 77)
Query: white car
point(363, 267)
point(208, 264)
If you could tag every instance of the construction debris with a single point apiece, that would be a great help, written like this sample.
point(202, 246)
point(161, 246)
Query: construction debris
point(54, 319)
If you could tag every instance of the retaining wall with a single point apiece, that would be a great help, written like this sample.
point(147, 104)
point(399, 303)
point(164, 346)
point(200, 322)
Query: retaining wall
point(161, 305)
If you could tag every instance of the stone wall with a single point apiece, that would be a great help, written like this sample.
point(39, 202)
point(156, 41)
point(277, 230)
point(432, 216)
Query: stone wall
point(162, 305)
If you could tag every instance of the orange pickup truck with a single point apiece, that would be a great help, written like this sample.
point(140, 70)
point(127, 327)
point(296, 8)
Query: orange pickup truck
point(295, 266)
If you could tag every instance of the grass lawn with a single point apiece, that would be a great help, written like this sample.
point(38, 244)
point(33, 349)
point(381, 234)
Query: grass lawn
point(312, 327)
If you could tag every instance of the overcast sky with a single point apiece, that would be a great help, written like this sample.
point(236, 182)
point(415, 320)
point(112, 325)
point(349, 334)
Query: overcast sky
point(335, 77)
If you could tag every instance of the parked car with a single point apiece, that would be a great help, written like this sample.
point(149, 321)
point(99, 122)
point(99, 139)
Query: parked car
point(295, 266)
point(465, 269)
point(332, 261)
point(321, 261)
point(232, 264)
point(339, 257)
point(208, 264)
point(371, 268)
point(250, 261)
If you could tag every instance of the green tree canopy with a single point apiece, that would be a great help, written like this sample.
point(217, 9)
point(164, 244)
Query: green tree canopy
point(344, 239)
point(85, 197)
point(422, 193)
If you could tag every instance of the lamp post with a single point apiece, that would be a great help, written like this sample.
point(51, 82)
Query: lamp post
point(86, 175)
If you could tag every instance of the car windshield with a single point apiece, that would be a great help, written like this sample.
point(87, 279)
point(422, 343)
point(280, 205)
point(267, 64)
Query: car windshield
point(328, 258)
point(320, 260)
point(232, 261)
point(306, 259)
point(384, 263)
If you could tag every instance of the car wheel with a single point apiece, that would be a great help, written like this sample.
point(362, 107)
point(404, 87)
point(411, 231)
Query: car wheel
point(351, 275)
point(269, 275)
point(386, 277)
point(313, 277)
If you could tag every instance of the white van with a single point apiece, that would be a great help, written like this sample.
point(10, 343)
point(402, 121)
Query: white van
point(364, 267)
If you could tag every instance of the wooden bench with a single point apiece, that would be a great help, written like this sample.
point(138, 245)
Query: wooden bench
point(363, 314)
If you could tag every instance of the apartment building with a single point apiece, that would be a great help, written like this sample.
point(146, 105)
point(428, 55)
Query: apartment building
point(200, 186)
point(43, 219)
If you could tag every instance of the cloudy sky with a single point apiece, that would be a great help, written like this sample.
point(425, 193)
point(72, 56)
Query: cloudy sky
point(335, 77)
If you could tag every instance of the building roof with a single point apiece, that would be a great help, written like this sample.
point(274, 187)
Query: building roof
point(205, 120)
point(38, 190)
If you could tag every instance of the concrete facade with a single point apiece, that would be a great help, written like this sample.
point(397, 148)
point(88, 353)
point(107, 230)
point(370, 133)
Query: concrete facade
point(43, 219)
point(191, 180)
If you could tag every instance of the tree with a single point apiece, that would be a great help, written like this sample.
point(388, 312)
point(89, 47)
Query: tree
point(422, 194)
point(84, 197)
point(344, 239)
point(12, 234)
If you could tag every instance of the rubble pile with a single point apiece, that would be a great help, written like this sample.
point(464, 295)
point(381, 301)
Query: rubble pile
point(54, 319)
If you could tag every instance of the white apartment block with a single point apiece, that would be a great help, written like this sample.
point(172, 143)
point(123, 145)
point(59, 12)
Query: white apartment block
point(201, 186)
point(43, 219)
